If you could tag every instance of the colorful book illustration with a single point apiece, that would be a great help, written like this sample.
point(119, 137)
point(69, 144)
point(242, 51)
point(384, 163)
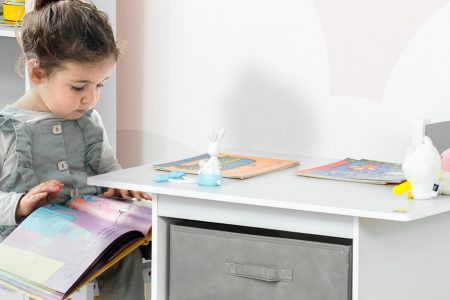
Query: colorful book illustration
point(358, 170)
point(232, 165)
point(58, 249)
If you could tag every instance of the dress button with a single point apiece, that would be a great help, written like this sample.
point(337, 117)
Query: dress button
point(57, 129)
point(63, 165)
point(74, 193)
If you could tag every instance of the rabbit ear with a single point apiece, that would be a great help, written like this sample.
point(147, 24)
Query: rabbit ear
point(221, 134)
point(212, 134)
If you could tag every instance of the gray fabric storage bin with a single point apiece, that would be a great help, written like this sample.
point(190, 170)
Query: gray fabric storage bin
point(215, 264)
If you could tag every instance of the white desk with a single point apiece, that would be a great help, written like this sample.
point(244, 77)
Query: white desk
point(401, 248)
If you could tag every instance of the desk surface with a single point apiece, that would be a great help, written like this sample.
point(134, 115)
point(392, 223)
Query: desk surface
point(284, 189)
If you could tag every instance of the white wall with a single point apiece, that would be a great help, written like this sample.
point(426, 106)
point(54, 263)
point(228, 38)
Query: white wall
point(12, 86)
point(107, 105)
point(324, 78)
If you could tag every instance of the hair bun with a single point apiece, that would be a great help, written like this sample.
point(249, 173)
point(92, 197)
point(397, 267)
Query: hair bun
point(39, 4)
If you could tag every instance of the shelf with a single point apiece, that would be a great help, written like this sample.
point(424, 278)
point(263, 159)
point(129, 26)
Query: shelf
point(7, 31)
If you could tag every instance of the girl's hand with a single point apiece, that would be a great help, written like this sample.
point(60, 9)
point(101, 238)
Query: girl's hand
point(38, 196)
point(126, 194)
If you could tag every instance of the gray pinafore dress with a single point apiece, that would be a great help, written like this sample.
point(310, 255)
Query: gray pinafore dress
point(53, 148)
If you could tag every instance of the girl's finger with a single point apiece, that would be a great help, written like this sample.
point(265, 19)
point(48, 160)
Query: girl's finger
point(36, 199)
point(146, 196)
point(110, 192)
point(124, 194)
point(46, 187)
point(136, 195)
point(54, 181)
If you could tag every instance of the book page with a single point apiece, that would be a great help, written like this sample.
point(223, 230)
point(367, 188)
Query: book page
point(27, 264)
point(121, 212)
point(69, 241)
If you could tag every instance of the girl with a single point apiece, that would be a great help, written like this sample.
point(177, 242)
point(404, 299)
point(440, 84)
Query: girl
point(51, 139)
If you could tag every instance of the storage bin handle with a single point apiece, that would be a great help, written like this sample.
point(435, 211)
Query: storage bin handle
point(258, 272)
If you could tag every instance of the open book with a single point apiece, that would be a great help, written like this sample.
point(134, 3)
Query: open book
point(358, 170)
point(231, 165)
point(58, 249)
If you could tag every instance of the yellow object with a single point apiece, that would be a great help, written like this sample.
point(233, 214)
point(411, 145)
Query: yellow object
point(13, 11)
point(403, 188)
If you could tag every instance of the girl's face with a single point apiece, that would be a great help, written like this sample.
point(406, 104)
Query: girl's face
point(72, 91)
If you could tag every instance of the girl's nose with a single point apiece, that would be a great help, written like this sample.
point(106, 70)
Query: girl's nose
point(89, 98)
point(86, 101)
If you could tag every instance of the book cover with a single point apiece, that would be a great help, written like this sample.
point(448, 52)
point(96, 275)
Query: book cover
point(358, 170)
point(232, 165)
point(58, 249)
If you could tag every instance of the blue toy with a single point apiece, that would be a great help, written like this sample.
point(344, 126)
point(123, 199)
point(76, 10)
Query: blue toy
point(168, 177)
point(209, 173)
point(209, 180)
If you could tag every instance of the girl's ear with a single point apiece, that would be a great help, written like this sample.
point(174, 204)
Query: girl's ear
point(35, 73)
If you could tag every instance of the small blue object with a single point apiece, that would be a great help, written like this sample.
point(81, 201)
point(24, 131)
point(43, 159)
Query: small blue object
point(172, 175)
point(209, 180)
point(177, 174)
point(161, 178)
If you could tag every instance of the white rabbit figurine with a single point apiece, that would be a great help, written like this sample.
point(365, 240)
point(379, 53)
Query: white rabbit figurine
point(422, 168)
point(209, 172)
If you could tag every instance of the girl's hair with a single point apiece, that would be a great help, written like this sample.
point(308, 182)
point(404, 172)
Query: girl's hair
point(61, 31)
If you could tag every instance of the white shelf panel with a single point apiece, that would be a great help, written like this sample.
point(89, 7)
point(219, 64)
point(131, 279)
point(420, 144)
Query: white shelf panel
point(7, 31)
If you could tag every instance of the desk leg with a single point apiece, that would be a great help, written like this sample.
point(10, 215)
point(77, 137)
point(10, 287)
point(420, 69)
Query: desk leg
point(404, 260)
point(355, 260)
point(160, 253)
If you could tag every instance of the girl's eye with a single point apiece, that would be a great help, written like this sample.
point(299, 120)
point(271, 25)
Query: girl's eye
point(100, 85)
point(77, 88)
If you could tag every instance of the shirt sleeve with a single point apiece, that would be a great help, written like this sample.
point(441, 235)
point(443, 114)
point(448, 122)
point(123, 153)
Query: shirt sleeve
point(8, 206)
point(108, 161)
point(8, 200)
